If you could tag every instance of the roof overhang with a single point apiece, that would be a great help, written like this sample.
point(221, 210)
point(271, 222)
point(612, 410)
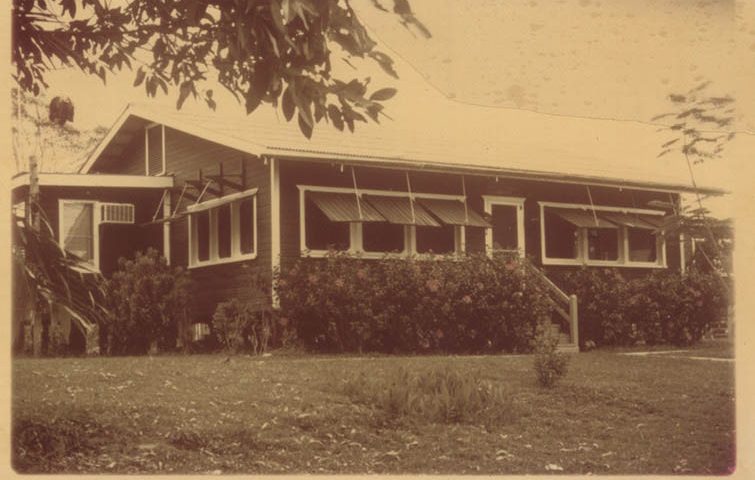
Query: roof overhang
point(410, 164)
point(134, 113)
point(94, 181)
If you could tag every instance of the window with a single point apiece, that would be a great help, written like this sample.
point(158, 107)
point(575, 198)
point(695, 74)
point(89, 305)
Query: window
point(643, 245)
point(154, 150)
point(603, 244)
point(601, 235)
point(437, 240)
point(377, 223)
point(323, 233)
point(379, 237)
point(78, 232)
point(223, 230)
point(563, 239)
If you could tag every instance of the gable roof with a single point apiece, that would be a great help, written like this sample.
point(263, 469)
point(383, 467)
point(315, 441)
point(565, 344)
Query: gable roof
point(512, 144)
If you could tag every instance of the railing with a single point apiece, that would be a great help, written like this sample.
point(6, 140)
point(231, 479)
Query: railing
point(565, 305)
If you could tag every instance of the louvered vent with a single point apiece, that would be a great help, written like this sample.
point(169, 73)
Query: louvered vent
point(117, 213)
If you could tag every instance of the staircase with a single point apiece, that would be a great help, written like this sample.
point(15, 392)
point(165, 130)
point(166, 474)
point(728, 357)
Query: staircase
point(566, 315)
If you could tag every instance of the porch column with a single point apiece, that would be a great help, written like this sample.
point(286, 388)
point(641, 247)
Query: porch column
point(275, 225)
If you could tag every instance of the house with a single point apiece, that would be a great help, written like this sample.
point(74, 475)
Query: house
point(228, 199)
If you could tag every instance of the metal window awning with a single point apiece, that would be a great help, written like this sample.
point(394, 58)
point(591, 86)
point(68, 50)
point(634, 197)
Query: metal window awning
point(398, 210)
point(633, 220)
point(343, 207)
point(453, 212)
point(583, 218)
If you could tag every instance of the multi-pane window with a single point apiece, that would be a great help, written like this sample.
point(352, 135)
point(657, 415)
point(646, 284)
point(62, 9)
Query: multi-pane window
point(601, 235)
point(373, 223)
point(222, 230)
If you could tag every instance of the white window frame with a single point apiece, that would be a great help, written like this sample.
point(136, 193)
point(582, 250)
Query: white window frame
point(355, 228)
point(518, 203)
point(623, 247)
point(95, 262)
point(146, 148)
point(211, 205)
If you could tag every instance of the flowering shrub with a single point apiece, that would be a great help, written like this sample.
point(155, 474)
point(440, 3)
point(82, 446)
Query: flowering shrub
point(148, 305)
point(349, 304)
point(664, 307)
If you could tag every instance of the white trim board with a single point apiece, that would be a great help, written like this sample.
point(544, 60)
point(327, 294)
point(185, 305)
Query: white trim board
point(94, 180)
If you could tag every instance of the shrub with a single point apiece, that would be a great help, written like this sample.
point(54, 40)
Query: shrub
point(239, 326)
point(353, 305)
point(550, 365)
point(662, 307)
point(440, 395)
point(149, 303)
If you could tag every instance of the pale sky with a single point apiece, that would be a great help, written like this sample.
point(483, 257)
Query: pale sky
point(610, 59)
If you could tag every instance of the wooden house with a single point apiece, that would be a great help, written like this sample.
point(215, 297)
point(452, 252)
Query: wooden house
point(228, 199)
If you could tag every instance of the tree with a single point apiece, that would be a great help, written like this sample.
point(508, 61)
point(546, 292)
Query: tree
point(700, 133)
point(262, 51)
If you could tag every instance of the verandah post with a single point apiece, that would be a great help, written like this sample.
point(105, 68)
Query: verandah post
point(574, 320)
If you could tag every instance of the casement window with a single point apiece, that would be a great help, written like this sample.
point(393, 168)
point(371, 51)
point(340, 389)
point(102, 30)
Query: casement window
point(601, 235)
point(78, 232)
point(375, 223)
point(223, 230)
point(79, 222)
point(154, 150)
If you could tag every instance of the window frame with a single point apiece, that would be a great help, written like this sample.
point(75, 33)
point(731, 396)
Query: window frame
point(355, 228)
point(497, 200)
point(623, 239)
point(95, 262)
point(146, 149)
point(212, 207)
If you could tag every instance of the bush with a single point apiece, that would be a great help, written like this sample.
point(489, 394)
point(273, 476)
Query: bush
point(349, 304)
point(550, 365)
point(663, 307)
point(239, 326)
point(440, 395)
point(148, 305)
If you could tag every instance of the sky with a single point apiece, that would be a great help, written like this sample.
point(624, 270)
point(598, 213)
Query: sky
point(616, 59)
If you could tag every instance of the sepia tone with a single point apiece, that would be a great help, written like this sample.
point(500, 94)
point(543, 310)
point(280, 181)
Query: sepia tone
point(506, 247)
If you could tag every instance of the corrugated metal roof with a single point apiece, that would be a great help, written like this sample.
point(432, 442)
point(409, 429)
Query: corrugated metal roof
point(518, 143)
point(581, 218)
point(399, 210)
point(343, 207)
point(452, 212)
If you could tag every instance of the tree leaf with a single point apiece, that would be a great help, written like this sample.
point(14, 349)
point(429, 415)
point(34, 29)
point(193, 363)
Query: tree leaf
point(305, 128)
point(383, 94)
point(287, 104)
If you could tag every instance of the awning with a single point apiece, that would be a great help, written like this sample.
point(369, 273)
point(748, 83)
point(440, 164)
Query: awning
point(398, 210)
point(451, 212)
point(342, 207)
point(582, 218)
point(633, 220)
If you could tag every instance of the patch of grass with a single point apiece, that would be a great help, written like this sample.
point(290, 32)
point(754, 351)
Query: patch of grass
point(200, 414)
point(440, 395)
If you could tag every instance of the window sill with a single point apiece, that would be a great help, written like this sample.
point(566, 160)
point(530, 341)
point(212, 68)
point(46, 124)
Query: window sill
point(381, 256)
point(598, 263)
point(223, 261)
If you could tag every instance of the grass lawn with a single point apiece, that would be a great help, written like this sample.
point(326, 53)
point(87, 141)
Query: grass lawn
point(611, 414)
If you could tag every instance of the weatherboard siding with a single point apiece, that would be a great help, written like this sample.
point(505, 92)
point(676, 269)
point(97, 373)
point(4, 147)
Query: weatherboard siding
point(185, 156)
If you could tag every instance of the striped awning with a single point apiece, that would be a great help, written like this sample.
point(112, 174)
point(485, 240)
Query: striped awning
point(633, 220)
point(398, 210)
point(452, 212)
point(583, 218)
point(342, 207)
